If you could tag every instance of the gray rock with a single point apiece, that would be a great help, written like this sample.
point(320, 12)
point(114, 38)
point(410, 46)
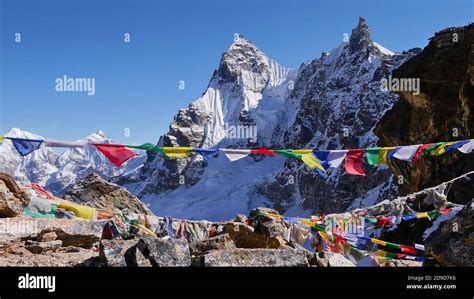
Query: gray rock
point(240, 218)
point(245, 236)
point(12, 199)
point(94, 191)
point(255, 258)
point(338, 260)
point(215, 243)
point(122, 253)
point(451, 243)
point(165, 252)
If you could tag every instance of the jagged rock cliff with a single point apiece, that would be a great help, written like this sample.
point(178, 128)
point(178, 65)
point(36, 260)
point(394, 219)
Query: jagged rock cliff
point(442, 111)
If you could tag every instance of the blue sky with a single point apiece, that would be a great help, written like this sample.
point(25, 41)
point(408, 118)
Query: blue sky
point(137, 84)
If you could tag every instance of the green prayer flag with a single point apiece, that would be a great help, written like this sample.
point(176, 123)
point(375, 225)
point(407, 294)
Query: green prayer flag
point(433, 215)
point(148, 147)
point(288, 154)
point(393, 245)
point(372, 155)
point(428, 151)
point(391, 255)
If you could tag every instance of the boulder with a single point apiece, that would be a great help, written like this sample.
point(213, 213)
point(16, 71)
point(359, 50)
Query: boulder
point(165, 252)
point(255, 258)
point(94, 191)
point(38, 247)
point(244, 236)
point(452, 244)
point(12, 199)
point(216, 243)
point(122, 253)
point(338, 260)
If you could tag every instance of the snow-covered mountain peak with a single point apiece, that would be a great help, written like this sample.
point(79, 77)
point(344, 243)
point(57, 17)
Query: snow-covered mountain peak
point(98, 137)
point(19, 133)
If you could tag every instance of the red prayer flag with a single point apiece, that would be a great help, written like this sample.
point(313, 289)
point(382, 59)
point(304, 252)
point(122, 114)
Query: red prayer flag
point(354, 162)
point(383, 221)
point(419, 151)
point(263, 151)
point(408, 249)
point(115, 153)
point(445, 211)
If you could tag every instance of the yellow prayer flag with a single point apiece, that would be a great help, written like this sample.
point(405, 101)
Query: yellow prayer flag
point(80, 211)
point(442, 149)
point(381, 253)
point(383, 154)
point(302, 151)
point(422, 215)
point(379, 242)
point(177, 152)
point(1, 138)
point(306, 222)
point(312, 162)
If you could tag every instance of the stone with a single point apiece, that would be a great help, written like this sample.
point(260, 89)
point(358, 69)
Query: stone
point(12, 199)
point(255, 258)
point(165, 252)
point(338, 260)
point(38, 247)
point(241, 218)
point(452, 243)
point(122, 253)
point(94, 191)
point(272, 228)
point(45, 237)
point(244, 236)
point(215, 243)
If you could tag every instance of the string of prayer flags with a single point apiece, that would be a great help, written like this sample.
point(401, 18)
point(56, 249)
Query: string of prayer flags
point(59, 143)
point(235, 154)
point(116, 153)
point(354, 162)
point(177, 152)
point(429, 150)
point(205, 152)
point(147, 147)
point(26, 146)
point(393, 152)
point(467, 148)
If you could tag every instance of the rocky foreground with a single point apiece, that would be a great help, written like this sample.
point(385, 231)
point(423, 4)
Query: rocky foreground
point(143, 239)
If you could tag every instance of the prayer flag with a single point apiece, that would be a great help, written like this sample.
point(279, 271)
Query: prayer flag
point(205, 152)
point(393, 152)
point(177, 152)
point(420, 151)
point(117, 154)
point(332, 158)
point(406, 153)
point(263, 151)
point(429, 150)
point(354, 162)
point(454, 146)
point(235, 154)
point(441, 149)
point(408, 249)
point(383, 154)
point(467, 148)
point(373, 155)
point(147, 147)
point(26, 146)
point(306, 156)
point(2, 138)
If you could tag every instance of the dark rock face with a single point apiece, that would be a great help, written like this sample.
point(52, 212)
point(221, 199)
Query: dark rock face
point(453, 243)
point(122, 253)
point(441, 112)
point(93, 191)
point(12, 199)
point(165, 253)
point(256, 258)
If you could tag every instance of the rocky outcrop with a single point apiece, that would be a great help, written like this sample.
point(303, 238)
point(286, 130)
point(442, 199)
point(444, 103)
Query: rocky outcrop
point(442, 111)
point(12, 199)
point(452, 244)
point(94, 191)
